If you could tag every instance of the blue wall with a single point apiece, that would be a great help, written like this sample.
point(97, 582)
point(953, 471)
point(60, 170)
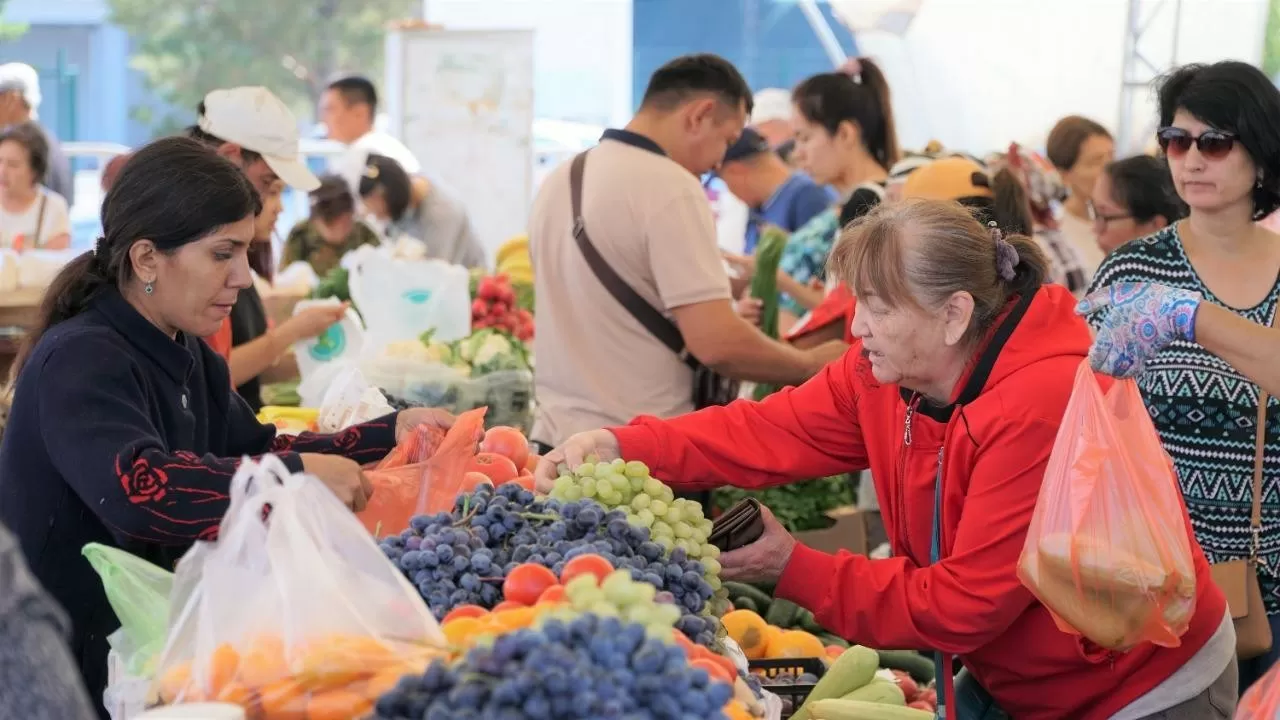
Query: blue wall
point(769, 41)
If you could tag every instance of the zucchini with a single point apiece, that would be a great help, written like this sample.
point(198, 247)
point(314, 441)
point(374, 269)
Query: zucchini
point(919, 667)
point(805, 621)
point(854, 668)
point(743, 590)
point(746, 603)
point(832, 639)
point(783, 613)
point(764, 287)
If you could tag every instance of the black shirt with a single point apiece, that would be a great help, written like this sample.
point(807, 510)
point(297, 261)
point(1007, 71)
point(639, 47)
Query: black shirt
point(248, 323)
point(121, 435)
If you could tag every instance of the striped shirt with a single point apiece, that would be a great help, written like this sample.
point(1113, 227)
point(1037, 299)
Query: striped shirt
point(1204, 411)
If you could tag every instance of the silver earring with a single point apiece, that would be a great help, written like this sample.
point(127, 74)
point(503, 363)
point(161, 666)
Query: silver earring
point(150, 288)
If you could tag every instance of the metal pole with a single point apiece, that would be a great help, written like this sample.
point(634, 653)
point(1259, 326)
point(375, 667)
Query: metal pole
point(822, 29)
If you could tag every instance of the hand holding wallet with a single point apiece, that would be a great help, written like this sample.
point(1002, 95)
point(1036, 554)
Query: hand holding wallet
point(740, 525)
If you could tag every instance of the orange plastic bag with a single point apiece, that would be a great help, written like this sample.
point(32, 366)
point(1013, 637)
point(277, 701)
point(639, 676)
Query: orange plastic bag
point(1262, 700)
point(1108, 550)
point(448, 466)
point(402, 482)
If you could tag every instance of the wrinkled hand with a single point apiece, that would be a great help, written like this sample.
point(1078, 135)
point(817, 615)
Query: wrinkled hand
point(573, 453)
point(408, 420)
point(763, 560)
point(1138, 320)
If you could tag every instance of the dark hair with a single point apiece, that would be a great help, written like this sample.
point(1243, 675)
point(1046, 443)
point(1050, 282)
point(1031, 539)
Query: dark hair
point(172, 192)
point(111, 170)
point(332, 199)
point(199, 135)
point(831, 98)
point(1236, 97)
point(1010, 209)
point(29, 136)
point(356, 89)
point(675, 82)
point(1067, 137)
point(1143, 185)
point(382, 172)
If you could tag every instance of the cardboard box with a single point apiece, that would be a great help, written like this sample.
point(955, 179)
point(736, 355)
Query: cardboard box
point(848, 531)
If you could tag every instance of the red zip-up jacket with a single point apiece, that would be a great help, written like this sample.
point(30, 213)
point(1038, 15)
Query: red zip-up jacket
point(991, 447)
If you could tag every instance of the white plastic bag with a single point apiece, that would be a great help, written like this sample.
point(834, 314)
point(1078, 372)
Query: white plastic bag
point(402, 299)
point(349, 401)
point(342, 343)
point(294, 608)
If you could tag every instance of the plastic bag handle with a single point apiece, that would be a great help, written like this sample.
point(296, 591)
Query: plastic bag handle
point(1259, 454)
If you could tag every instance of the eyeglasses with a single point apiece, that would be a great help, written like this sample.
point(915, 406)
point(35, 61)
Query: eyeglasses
point(1100, 221)
point(1213, 144)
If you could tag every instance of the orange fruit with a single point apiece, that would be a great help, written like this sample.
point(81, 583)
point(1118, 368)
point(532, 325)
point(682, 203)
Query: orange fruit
point(749, 630)
point(464, 611)
point(516, 618)
point(463, 630)
point(795, 644)
point(223, 664)
point(338, 705)
point(283, 700)
point(263, 661)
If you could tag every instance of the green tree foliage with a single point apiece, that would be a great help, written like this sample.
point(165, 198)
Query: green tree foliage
point(1271, 44)
point(186, 48)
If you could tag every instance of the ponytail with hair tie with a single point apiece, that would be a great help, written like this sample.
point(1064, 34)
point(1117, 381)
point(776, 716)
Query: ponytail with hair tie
point(853, 68)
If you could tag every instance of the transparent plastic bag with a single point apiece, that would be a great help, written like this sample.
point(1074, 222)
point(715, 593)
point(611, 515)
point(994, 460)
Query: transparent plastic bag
point(1108, 550)
point(139, 594)
point(350, 400)
point(294, 612)
point(402, 299)
point(507, 394)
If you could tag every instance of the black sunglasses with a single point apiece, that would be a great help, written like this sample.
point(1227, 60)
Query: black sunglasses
point(1213, 144)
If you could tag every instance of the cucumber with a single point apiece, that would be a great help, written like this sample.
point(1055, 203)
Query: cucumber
point(919, 667)
point(854, 668)
point(879, 691)
point(743, 590)
point(833, 709)
point(832, 639)
point(746, 603)
point(764, 287)
point(806, 622)
point(783, 613)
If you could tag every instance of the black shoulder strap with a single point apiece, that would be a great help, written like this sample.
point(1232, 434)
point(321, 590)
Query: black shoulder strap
point(655, 322)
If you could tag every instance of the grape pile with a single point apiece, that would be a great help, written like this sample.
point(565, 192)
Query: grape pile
point(590, 668)
point(463, 557)
point(672, 522)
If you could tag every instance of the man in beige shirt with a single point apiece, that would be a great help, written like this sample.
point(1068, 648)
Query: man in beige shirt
point(645, 211)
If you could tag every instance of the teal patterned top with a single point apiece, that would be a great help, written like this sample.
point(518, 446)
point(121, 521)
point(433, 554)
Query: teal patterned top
point(805, 256)
point(1205, 412)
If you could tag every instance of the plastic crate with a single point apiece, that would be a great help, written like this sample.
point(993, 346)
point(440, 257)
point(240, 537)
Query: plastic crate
point(796, 693)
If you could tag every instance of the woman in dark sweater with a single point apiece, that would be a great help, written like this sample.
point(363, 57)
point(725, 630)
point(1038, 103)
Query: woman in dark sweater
point(124, 427)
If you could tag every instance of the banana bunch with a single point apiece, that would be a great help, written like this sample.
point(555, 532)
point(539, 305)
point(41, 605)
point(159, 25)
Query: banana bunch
point(513, 260)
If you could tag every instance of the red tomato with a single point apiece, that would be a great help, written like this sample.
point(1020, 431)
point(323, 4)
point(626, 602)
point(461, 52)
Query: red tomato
point(473, 480)
point(586, 565)
point(526, 481)
point(532, 463)
point(507, 442)
point(909, 687)
point(922, 705)
point(526, 583)
point(464, 611)
point(496, 467)
point(553, 594)
point(508, 605)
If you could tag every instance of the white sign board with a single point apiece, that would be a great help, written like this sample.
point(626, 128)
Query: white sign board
point(462, 101)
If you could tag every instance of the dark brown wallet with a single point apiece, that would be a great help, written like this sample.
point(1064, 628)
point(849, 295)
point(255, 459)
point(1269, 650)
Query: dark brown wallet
point(739, 525)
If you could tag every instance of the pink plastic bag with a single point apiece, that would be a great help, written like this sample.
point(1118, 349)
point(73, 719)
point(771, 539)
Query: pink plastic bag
point(1107, 550)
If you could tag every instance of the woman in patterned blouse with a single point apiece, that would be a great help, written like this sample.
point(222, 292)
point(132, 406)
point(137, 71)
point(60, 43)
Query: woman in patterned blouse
point(1219, 134)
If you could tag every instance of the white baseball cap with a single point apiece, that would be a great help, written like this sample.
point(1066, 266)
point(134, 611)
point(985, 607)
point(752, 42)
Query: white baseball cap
point(21, 78)
point(255, 119)
point(770, 104)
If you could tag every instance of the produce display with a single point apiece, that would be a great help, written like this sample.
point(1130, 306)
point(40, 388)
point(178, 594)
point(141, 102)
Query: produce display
point(778, 612)
point(798, 506)
point(493, 305)
point(465, 557)
point(589, 667)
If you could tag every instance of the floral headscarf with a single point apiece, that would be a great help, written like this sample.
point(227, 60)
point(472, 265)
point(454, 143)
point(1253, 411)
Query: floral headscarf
point(1045, 187)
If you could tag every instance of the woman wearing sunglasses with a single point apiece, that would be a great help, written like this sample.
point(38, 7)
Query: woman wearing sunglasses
point(1220, 136)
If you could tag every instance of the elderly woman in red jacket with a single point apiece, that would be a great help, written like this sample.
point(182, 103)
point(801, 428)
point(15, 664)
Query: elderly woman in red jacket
point(951, 395)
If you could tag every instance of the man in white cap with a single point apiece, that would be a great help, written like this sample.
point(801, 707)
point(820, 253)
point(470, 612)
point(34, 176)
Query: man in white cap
point(19, 103)
point(771, 116)
point(255, 129)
